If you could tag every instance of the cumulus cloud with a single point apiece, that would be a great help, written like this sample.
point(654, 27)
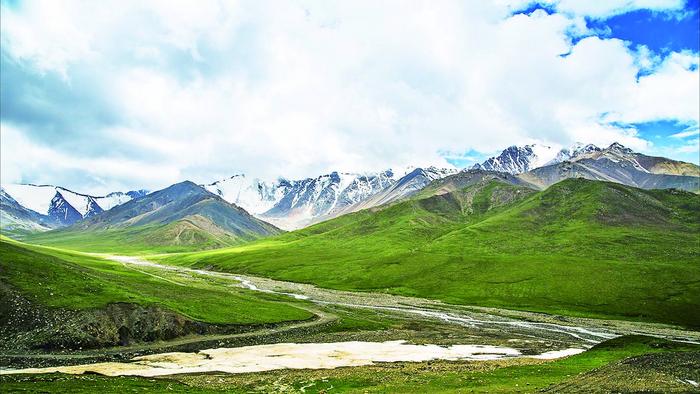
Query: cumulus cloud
point(202, 90)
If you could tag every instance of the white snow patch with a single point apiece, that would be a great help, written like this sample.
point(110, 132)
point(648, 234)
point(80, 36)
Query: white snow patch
point(282, 356)
point(260, 358)
point(77, 201)
point(36, 198)
point(543, 155)
point(112, 200)
point(252, 194)
point(558, 354)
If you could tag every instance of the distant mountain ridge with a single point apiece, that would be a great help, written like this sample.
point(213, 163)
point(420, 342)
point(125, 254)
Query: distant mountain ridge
point(518, 160)
point(292, 204)
point(63, 205)
point(183, 214)
point(18, 220)
point(619, 164)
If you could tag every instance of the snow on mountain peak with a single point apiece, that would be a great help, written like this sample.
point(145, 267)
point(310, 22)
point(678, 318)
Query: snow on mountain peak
point(42, 199)
point(574, 151)
point(516, 159)
point(254, 195)
point(619, 148)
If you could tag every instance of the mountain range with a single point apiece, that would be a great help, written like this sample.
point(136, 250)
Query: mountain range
point(241, 208)
point(63, 206)
point(292, 204)
point(517, 160)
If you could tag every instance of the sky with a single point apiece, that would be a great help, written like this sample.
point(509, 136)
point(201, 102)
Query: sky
point(120, 95)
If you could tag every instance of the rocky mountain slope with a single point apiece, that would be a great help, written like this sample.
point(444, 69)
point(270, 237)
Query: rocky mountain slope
point(408, 185)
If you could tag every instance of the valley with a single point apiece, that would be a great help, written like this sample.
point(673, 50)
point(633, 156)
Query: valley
point(458, 280)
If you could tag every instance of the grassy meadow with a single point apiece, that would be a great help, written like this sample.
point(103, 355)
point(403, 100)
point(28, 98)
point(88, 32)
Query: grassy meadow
point(58, 278)
point(581, 247)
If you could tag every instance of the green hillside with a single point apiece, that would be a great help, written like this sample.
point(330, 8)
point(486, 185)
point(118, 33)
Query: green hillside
point(184, 235)
point(79, 293)
point(580, 247)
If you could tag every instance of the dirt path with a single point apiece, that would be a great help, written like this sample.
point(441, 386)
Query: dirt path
point(321, 318)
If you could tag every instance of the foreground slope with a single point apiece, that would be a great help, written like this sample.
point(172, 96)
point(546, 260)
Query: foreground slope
point(182, 216)
point(53, 299)
point(580, 247)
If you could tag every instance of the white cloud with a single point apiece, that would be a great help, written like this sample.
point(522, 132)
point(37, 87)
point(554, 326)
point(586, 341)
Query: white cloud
point(296, 89)
point(607, 8)
point(687, 133)
point(690, 146)
point(24, 161)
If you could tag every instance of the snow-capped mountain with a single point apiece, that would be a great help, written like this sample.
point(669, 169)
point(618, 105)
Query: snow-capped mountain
point(620, 164)
point(309, 200)
point(62, 211)
point(412, 182)
point(65, 206)
point(515, 159)
point(292, 204)
point(18, 220)
point(183, 213)
point(518, 160)
point(623, 156)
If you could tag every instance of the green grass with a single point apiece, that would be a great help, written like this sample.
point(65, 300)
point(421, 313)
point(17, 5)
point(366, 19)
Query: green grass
point(508, 379)
point(582, 248)
point(58, 383)
point(434, 377)
point(62, 279)
point(132, 240)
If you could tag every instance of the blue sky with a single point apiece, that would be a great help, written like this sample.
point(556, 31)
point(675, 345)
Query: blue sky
point(99, 97)
point(660, 32)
